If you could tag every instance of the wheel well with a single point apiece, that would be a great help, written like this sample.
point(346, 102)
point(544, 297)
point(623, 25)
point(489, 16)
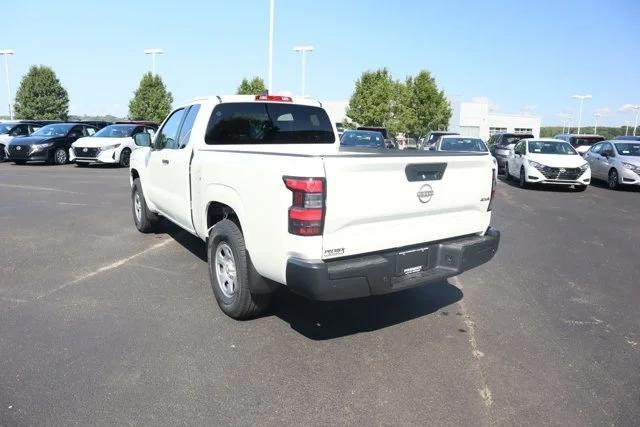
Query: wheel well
point(612, 169)
point(216, 212)
point(134, 174)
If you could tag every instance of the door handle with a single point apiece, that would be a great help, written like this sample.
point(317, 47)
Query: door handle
point(165, 161)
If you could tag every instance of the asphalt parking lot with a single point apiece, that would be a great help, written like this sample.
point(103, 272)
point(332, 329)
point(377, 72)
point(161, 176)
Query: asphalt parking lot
point(100, 324)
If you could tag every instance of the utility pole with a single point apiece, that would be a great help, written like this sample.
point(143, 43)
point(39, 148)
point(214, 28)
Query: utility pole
point(581, 98)
point(153, 52)
point(6, 53)
point(303, 50)
point(595, 127)
point(270, 79)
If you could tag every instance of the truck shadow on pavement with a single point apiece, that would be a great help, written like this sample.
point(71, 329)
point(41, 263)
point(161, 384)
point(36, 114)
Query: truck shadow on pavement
point(327, 320)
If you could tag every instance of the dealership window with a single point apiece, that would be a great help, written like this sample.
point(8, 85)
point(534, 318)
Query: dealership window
point(493, 131)
point(523, 130)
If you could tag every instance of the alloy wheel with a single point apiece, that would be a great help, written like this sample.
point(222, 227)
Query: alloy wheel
point(613, 179)
point(61, 157)
point(225, 266)
point(137, 206)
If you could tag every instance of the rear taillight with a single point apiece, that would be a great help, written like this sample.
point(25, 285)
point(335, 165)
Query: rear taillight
point(494, 182)
point(306, 214)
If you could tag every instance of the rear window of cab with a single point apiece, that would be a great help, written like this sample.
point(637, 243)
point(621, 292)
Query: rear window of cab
point(268, 123)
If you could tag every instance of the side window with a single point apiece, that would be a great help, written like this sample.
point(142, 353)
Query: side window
point(168, 134)
point(89, 131)
point(607, 149)
point(185, 131)
point(596, 148)
point(75, 132)
point(150, 131)
point(520, 149)
point(33, 128)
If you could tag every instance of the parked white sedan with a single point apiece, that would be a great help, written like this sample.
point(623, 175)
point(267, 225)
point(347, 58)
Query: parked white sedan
point(616, 162)
point(112, 144)
point(548, 161)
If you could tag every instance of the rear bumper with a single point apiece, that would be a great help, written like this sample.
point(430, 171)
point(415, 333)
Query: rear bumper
point(377, 274)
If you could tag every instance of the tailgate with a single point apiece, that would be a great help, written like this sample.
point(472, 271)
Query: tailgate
point(376, 203)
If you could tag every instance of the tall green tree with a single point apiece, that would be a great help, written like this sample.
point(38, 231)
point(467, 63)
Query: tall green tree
point(151, 101)
point(255, 86)
point(372, 102)
point(426, 107)
point(41, 96)
point(413, 107)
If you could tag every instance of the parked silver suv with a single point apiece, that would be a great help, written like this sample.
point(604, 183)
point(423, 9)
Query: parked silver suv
point(617, 162)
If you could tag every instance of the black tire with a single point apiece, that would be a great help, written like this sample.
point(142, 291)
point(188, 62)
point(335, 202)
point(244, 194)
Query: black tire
point(522, 182)
point(235, 299)
point(3, 155)
point(60, 156)
point(614, 180)
point(82, 165)
point(20, 162)
point(145, 220)
point(125, 157)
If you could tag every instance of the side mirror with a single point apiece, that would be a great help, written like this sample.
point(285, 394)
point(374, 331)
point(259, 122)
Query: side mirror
point(142, 139)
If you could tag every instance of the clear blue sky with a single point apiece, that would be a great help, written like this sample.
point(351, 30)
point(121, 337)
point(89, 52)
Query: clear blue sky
point(532, 55)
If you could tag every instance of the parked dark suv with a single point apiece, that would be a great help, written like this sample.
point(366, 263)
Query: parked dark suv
point(14, 129)
point(500, 144)
point(388, 142)
point(50, 143)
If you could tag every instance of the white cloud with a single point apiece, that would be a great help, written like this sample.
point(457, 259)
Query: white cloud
point(626, 108)
point(603, 111)
point(529, 109)
point(566, 114)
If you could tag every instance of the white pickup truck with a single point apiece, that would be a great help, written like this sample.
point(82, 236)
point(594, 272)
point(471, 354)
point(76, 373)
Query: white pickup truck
point(264, 182)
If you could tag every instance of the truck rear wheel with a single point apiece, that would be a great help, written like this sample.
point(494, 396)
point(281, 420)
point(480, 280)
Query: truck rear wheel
point(230, 273)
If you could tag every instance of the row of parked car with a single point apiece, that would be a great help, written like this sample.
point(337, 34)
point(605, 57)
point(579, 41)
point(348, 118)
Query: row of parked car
point(59, 143)
point(569, 159)
point(566, 159)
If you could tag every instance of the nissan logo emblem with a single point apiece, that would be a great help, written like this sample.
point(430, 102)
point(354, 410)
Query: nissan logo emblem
point(84, 150)
point(562, 170)
point(18, 148)
point(425, 193)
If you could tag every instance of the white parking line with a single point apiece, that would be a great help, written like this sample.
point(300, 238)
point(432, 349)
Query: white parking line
point(111, 266)
point(483, 390)
point(30, 187)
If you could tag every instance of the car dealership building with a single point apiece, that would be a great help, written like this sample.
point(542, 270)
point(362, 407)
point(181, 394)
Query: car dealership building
point(477, 119)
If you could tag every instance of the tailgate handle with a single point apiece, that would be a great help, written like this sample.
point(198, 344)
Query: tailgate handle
point(425, 171)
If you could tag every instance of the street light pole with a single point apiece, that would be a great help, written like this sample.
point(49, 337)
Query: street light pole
point(303, 50)
point(153, 52)
point(6, 53)
point(635, 123)
point(626, 129)
point(581, 98)
point(595, 127)
point(271, 12)
point(569, 118)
